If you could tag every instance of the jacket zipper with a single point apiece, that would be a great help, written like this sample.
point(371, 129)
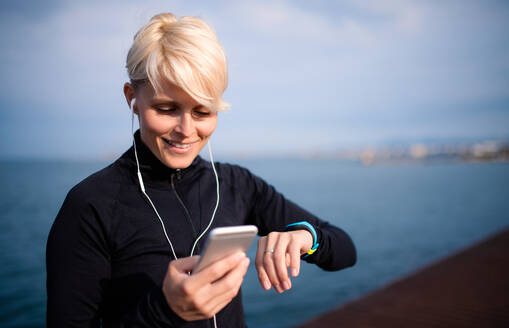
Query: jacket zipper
point(188, 215)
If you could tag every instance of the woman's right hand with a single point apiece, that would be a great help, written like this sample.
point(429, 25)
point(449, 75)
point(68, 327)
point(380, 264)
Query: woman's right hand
point(203, 294)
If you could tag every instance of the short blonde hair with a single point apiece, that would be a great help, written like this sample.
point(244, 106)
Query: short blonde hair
point(185, 52)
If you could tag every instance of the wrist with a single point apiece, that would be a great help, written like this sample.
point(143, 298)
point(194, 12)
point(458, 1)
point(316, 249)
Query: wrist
point(307, 240)
point(306, 226)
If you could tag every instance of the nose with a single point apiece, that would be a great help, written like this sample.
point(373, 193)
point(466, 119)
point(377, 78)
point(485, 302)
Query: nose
point(185, 125)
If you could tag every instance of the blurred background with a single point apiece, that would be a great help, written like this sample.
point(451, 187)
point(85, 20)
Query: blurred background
point(389, 119)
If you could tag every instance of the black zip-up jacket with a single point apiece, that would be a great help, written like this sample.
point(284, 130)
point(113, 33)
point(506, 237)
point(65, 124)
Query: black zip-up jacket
point(107, 254)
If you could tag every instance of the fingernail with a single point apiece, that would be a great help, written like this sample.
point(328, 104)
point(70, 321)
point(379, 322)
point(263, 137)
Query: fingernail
point(295, 272)
point(286, 285)
point(266, 284)
point(240, 256)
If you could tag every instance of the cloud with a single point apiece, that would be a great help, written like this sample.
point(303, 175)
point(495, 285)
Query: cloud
point(304, 70)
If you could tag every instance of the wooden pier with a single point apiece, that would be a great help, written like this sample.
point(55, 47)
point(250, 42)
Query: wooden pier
point(467, 289)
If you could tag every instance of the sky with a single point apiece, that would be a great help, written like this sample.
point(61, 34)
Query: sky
point(304, 76)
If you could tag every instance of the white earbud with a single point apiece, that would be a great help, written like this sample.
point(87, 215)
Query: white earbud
point(133, 101)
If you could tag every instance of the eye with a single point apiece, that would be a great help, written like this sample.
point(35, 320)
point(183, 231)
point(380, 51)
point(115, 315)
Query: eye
point(202, 113)
point(166, 109)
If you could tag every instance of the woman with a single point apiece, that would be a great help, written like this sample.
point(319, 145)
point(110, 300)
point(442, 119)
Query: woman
point(121, 247)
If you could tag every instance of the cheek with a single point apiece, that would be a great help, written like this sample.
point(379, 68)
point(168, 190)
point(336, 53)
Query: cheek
point(207, 128)
point(153, 123)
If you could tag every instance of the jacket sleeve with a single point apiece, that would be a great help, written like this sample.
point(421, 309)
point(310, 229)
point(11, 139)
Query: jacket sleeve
point(271, 211)
point(78, 271)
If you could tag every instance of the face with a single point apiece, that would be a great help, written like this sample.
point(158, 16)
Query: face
point(172, 124)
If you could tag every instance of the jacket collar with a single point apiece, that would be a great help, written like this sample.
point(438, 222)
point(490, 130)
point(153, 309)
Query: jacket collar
point(152, 169)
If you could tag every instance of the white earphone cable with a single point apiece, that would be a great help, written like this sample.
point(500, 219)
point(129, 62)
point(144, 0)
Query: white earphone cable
point(217, 199)
point(142, 187)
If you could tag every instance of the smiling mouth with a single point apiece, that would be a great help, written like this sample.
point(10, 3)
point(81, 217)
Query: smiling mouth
point(178, 145)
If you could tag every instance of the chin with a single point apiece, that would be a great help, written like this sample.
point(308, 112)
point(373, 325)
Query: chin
point(178, 163)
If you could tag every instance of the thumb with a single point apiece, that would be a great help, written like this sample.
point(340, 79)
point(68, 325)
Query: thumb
point(185, 264)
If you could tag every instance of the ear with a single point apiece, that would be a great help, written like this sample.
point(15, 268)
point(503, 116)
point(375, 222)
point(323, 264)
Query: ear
point(129, 96)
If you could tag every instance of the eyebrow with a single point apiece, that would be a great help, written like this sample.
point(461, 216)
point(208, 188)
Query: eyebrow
point(165, 102)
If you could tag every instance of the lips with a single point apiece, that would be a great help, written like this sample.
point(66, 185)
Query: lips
point(178, 147)
point(183, 146)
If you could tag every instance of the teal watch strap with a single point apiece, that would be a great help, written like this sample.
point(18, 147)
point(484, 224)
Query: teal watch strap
point(306, 226)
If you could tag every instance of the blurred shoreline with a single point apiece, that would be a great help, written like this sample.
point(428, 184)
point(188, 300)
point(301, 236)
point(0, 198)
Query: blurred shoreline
point(400, 153)
point(419, 153)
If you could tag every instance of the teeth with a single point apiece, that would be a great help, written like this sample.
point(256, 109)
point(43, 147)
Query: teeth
point(180, 145)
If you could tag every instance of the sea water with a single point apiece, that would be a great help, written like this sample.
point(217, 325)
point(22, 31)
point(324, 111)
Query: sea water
point(401, 218)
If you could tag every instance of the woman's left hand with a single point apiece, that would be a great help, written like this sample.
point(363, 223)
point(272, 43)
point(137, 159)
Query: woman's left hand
point(276, 252)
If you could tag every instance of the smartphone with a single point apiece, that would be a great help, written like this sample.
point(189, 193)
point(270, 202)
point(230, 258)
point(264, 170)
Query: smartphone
point(224, 241)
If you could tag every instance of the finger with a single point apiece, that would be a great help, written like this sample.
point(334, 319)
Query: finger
point(280, 260)
point(268, 262)
point(294, 254)
point(222, 292)
point(231, 280)
point(208, 297)
point(178, 286)
point(217, 269)
point(262, 275)
point(185, 264)
point(178, 270)
point(213, 297)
